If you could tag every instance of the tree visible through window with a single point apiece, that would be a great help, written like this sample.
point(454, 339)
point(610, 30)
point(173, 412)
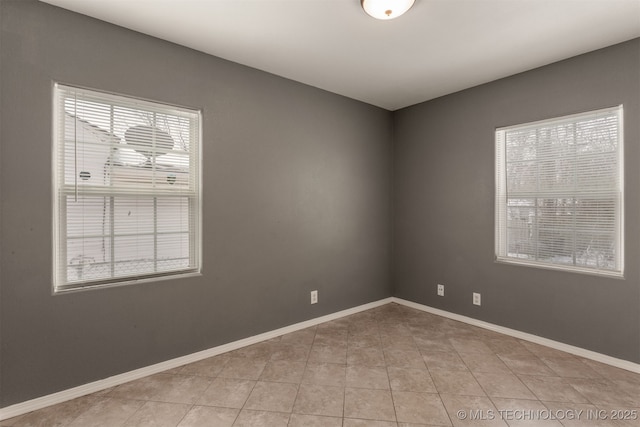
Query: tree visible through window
point(127, 194)
point(559, 193)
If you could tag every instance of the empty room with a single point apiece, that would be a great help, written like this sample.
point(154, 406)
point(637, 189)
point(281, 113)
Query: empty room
point(319, 213)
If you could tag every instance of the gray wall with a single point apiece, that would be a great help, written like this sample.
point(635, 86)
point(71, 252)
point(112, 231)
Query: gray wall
point(296, 197)
point(443, 195)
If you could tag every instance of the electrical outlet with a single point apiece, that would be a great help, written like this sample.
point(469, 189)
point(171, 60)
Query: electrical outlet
point(314, 297)
point(440, 290)
point(476, 299)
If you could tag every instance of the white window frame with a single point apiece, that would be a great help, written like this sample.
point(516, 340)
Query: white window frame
point(147, 184)
point(503, 194)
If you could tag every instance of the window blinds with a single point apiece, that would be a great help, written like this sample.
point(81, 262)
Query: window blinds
point(559, 193)
point(127, 189)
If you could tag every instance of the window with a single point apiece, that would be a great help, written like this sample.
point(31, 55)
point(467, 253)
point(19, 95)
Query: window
point(559, 193)
point(126, 189)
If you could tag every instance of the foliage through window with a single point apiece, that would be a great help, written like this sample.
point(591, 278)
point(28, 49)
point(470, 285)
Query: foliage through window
point(127, 189)
point(559, 193)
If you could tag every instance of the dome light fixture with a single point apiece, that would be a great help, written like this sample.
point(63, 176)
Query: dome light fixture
point(386, 9)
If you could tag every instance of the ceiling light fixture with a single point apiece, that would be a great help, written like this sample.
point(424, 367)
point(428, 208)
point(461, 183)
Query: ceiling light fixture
point(386, 9)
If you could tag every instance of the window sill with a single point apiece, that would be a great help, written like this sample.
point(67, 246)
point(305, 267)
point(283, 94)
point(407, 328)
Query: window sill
point(567, 269)
point(128, 282)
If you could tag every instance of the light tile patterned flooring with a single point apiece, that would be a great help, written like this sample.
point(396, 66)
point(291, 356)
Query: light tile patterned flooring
point(389, 366)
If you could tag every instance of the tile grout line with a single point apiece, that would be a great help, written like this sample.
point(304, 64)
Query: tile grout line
point(402, 318)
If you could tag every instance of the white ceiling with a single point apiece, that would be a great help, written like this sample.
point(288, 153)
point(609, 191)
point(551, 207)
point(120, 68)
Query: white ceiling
point(438, 47)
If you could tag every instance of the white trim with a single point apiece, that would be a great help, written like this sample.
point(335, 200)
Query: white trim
point(612, 191)
point(72, 393)
point(570, 118)
point(84, 123)
point(559, 267)
point(587, 354)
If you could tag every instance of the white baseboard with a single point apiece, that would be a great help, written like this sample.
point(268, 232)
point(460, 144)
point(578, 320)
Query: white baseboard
point(83, 390)
point(63, 396)
point(587, 354)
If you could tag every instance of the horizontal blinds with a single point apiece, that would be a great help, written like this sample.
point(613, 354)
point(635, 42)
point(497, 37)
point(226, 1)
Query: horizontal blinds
point(559, 191)
point(127, 182)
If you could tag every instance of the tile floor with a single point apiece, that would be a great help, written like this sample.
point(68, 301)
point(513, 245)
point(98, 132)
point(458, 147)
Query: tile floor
point(389, 366)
